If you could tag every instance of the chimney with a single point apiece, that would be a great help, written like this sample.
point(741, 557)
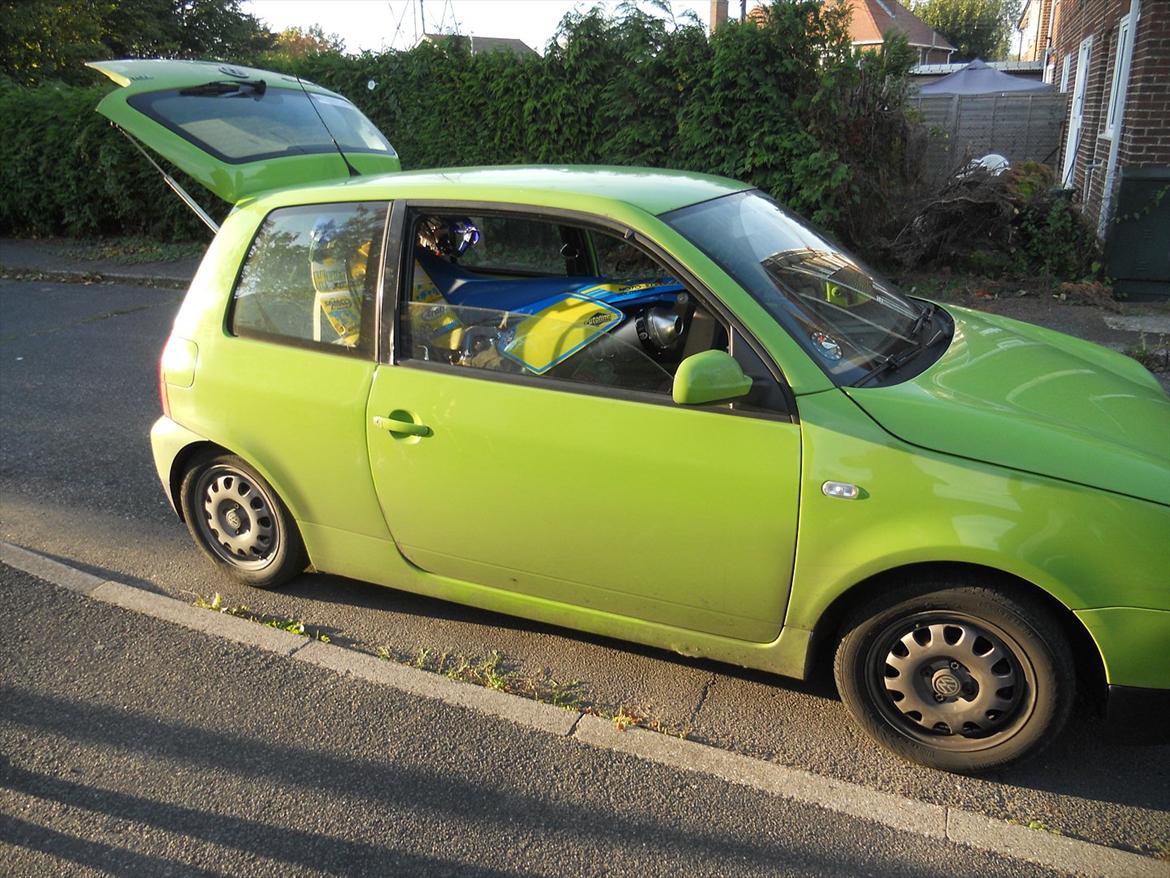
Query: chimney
point(718, 14)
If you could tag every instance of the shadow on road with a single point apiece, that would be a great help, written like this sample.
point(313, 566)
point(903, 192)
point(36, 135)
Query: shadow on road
point(448, 797)
point(261, 839)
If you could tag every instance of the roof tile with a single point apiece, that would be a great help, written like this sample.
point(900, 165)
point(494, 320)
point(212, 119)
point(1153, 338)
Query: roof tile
point(873, 19)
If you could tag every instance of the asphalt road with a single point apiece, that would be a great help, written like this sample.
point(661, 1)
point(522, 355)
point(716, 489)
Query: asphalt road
point(133, 747)
point(77, 396)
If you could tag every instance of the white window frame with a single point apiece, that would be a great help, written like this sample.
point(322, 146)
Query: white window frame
point(1077, 113)
point(1120, 71)
point(1064, 74)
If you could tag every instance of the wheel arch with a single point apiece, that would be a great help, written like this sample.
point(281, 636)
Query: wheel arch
point(182, 462)
point(827, 633)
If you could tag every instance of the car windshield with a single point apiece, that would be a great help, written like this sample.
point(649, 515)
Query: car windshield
point(845, 316)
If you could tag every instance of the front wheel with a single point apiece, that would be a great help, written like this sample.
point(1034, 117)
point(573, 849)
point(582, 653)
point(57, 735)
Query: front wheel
point(240, 523)
point(962, 678)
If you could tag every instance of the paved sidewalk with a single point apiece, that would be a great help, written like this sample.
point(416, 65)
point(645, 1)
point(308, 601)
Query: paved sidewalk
point(57, 257)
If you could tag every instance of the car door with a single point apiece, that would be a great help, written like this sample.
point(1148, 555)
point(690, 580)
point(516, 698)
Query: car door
point(239, 130)
point(566, 472)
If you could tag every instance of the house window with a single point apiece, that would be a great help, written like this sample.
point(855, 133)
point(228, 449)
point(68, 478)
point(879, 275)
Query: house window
point(1077, 112)
point(1120, 71)
point(1064, 73)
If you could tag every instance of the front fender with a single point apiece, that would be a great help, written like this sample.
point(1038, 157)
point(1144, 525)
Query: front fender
point(919, 506)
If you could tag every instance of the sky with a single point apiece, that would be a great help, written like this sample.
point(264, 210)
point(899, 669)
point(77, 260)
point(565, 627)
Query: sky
point(381, 24)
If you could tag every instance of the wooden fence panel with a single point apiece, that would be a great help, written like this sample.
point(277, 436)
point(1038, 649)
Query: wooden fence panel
point(1020, 127)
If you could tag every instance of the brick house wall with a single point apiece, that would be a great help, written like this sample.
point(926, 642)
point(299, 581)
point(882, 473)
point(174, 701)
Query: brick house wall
point(1144, 130)
point(1145, 138)
point(1033, 26)
point(1040, 53)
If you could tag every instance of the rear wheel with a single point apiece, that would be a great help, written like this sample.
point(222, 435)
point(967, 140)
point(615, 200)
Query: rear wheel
point(963, 678)
point(240, 523)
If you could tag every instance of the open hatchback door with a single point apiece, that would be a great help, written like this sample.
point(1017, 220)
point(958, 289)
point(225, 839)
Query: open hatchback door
point(240, 131)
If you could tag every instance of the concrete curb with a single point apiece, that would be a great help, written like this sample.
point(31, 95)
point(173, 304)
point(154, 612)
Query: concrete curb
point(216, 624)
point(533, 714)
point(48, 569)
point(897, 812)
point(71, 277)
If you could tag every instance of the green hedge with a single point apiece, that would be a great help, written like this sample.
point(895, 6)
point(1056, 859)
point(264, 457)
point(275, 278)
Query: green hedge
point(787, 106)
point(65, 171)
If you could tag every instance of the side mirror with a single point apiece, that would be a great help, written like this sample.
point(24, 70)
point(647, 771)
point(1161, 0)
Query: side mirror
point(712, 376)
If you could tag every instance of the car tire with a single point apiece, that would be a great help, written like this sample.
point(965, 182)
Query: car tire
point(960, 677)
point(240, 522)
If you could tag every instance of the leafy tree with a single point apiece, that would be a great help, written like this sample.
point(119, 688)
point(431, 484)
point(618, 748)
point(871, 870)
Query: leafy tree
point(977, 28)
point(895, 59)
point(43, 40)
point(293, 42)
point(49, 39)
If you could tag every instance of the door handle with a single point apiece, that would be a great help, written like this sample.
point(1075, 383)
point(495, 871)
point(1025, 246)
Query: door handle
point(402, 427)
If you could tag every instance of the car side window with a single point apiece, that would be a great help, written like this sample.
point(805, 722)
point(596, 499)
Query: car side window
point(516, 245)
point(620, 260)
point(310, 276)
point(626, 333)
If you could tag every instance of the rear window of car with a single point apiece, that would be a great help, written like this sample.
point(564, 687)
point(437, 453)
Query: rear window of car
point(243, 126)
point(311, 275)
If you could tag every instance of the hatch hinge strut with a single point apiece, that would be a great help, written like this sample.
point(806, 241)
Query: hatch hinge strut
point(173, 183)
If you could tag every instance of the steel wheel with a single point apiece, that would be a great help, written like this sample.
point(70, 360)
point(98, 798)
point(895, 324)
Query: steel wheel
point(954, 681)
point(237, 520)
point(956, 676)
point(240, 522)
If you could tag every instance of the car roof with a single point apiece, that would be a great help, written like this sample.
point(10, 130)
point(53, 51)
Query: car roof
point(652, 190)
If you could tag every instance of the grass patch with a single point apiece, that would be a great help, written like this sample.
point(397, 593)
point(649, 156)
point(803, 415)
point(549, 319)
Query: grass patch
point(1037, 826)
point(494, 671)
point(626, 717)
point(1154, 357)
point(970, 289)
point(281, 623)
point(133, 250)
point(87, 278)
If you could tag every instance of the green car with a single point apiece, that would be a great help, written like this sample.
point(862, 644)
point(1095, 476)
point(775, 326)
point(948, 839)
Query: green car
point(655, 406)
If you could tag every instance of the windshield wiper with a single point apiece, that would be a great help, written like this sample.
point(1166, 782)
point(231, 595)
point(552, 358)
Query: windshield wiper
point(215, 89)
point(887, 364)
point(924, 317)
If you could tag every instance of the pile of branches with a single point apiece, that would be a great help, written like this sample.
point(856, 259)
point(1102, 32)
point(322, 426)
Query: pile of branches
point(1014, 222)
point(971, 210)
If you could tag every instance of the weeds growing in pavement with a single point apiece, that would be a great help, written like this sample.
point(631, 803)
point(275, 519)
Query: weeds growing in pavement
point(494, 671)
point(625, 717)
point(1037, 825)
point(282, 623)
point(1155, 357)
